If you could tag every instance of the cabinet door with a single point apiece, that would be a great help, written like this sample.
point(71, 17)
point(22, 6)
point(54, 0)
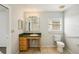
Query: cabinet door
point(23, 43)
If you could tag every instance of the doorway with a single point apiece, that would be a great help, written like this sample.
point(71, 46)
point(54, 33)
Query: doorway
point(4, 29)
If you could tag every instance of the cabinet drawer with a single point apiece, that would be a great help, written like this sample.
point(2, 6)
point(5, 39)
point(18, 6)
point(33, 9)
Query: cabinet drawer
point(23, 48)
point(23, 42)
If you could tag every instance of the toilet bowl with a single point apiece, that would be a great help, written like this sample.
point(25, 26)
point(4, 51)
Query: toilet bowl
point(60, 46)
point(59, 43)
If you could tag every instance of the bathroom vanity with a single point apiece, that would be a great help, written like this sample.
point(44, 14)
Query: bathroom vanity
point(27, 40)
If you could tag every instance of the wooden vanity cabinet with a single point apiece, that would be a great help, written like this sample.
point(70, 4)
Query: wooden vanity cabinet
point(23, 44)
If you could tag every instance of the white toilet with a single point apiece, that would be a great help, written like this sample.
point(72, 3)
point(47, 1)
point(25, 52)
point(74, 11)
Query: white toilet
point(59, 43)
point(60, 46)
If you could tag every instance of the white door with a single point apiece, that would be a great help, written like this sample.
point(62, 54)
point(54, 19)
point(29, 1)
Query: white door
point(4, 27)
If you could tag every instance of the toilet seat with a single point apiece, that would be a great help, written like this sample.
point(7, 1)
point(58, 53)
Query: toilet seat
point(61, 44)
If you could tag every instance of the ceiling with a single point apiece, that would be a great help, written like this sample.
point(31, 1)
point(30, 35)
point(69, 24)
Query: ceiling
point(41, 7)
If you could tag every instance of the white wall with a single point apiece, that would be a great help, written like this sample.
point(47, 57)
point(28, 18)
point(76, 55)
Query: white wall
point(72, 28)
point(16, 14)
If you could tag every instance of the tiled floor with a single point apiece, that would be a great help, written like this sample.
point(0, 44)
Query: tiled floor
point(32, 51)
point(43, 50)
point(46, 50)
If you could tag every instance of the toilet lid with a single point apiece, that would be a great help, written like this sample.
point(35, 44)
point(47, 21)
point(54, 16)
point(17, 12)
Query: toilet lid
point(61, 43)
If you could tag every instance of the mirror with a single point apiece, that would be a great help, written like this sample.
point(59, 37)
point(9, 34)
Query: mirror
point(32, 23)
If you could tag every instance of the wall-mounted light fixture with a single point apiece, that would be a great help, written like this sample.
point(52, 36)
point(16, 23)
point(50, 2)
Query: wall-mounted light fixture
point(20, 24)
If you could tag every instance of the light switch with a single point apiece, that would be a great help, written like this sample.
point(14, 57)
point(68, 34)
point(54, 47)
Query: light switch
point(12, 31)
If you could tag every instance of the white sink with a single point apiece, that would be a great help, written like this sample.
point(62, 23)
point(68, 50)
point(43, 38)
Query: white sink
point(34, 35)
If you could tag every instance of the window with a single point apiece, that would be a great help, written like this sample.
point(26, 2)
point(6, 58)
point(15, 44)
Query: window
point(54, 25)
